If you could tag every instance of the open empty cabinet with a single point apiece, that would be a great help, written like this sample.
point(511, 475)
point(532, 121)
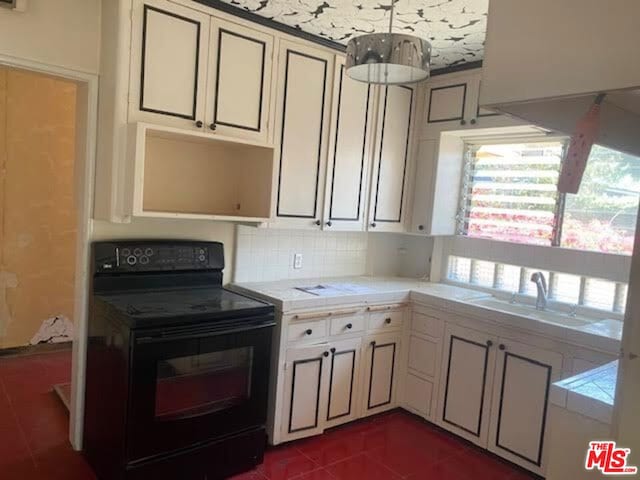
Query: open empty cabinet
point(192, 175)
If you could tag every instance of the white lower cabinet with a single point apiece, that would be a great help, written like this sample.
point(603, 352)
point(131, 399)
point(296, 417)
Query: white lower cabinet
point(344, 369)
point(524, 375)
point(381, 354)
point(495, 393)
point(466, 379)
point(306, 371)
point(333, 372)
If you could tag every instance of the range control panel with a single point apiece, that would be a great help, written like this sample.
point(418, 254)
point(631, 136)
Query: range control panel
point(157, 256)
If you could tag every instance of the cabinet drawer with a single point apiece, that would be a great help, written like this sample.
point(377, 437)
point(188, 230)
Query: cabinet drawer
point(307, 331)
point(427, 325)
point(388, 320)
point(345, 325)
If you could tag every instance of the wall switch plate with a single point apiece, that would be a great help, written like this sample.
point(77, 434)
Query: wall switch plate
point(297, 260)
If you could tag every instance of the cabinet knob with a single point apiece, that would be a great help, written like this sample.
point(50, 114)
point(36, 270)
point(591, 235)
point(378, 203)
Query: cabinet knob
point(489, 343)
point(326, 354)
point(308, 331)
point(213, 126)
point(373, 344)
point(349, 326)
point(199, 124)
point(333, 350)
point(420, 227)
point(373, 224)
point(463, 122)
point(502, 346)
point(318, 222)
point(473, 121)
point(329, 223)
point(387, 321)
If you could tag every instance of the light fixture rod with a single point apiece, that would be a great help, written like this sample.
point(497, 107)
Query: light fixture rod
point(393, 2)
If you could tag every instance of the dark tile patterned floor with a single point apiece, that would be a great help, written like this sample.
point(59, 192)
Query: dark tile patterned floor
point(34, 440)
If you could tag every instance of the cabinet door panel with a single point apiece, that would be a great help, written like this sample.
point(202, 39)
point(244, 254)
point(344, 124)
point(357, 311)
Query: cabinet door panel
point(392, 155)
point(423, 355)
point(305, 391)
point(447, 103)
point(303, 113)
point(418, 393)
point(521, 395)
point(343, 382)
point(466, 388)
point(168, 63)
point(349, 152)
point(241, 74)
point(381, 351)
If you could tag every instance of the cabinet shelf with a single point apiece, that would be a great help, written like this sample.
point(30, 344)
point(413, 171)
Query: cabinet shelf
point(194, 175)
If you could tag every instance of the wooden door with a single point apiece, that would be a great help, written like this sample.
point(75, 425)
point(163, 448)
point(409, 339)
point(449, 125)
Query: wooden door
point(239, 86)
point(391, 160)
point(306, 371)
point(349, 152)
point(303, 114)
point(467, 375)
point(343, 382)
point(524, 375)
point(381, 353)
point(168, 64)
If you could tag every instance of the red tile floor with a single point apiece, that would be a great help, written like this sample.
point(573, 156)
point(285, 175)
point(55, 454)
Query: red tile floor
point(396, 445)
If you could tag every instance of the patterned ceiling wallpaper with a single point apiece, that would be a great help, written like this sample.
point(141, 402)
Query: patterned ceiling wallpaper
point(455, 28)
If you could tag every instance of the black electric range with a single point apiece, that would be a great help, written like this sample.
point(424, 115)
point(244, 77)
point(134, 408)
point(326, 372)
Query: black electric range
point(183, 362)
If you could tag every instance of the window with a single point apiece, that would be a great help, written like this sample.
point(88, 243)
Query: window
point(602, 216)
point(509, 193)
point(563, 287)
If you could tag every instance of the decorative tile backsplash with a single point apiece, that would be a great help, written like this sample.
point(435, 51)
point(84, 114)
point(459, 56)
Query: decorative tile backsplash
point(268, 254)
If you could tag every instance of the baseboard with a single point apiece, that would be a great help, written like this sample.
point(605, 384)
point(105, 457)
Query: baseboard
point(33, 349)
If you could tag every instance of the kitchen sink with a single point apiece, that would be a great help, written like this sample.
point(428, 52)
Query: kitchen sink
point(550, 316)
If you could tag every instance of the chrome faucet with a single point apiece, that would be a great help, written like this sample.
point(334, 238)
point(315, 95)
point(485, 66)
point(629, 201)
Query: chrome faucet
point(541, 284)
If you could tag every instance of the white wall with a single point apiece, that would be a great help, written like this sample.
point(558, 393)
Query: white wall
point(64, 33)
point(399, 255)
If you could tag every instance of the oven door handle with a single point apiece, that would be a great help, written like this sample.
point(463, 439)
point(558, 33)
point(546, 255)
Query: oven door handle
point(194, 336)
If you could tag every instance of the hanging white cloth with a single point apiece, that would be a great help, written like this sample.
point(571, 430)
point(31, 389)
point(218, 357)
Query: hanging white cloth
point(56, 329)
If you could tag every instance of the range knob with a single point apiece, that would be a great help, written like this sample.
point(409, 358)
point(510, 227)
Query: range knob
point(144, 260)
point(137, 252)
point(148, 252)
point(131, 260)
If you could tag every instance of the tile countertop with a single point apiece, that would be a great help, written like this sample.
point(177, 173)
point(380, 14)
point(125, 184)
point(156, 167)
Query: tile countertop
point(285, 295)
point(591, 393)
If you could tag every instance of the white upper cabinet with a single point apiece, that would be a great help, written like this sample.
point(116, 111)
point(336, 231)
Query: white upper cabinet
point(239, 83)
point(451, 102)
point(304, 93)
point(391, 160)
point(349, 152)
point(168, 64)
point(191, 70)
point(170, 46)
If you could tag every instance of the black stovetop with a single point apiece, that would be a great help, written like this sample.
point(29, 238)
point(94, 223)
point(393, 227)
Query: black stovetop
point(184, 304)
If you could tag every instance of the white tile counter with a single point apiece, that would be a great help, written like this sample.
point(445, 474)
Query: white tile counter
point(591, 393)
point(284, 294)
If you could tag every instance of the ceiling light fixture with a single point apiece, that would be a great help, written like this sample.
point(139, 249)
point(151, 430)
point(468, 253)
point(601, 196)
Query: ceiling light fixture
point(388, 58)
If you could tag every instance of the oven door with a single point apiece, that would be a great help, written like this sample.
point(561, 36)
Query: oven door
point(197, 383)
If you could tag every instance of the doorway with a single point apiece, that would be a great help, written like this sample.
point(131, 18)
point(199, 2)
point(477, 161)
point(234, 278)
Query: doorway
point(38, 243)
point(55, 109)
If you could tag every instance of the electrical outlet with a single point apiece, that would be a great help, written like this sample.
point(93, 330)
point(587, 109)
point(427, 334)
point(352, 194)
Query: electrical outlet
point(297, 260)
